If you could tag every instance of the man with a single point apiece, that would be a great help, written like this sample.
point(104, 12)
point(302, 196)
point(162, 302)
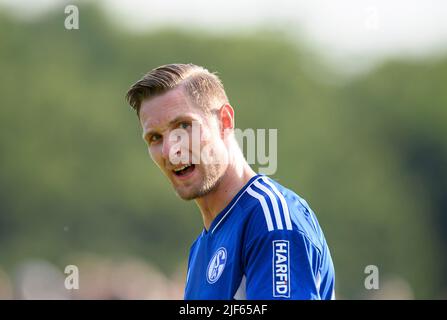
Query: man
point(260, 240)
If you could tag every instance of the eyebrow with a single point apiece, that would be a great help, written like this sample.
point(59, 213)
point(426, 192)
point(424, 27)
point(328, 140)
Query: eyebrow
point(171, 123)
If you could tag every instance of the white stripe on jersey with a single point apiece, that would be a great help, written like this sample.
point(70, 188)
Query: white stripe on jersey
point(285, 207)
point(228, 211)
point(264, 205)
point(241, 293)
point(274, 203)
point(318, 281)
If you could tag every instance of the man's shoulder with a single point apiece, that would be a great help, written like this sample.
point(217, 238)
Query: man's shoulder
point(271, 207)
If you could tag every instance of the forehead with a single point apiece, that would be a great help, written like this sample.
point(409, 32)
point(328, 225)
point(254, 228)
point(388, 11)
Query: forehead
point(160, 110)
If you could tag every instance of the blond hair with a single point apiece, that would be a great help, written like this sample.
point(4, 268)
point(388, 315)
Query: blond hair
point(202, 86)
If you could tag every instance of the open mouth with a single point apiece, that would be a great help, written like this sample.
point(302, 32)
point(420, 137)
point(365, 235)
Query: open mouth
point(184, 170)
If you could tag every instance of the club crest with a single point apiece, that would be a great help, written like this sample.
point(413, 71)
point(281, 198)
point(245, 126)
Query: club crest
point(216, 265)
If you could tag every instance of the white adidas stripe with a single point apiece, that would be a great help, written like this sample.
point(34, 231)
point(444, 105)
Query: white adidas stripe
point(274, 203)
point(228, 211)
point(285, 207)
point(265, 207)
point(241, 293)
point(318, 281)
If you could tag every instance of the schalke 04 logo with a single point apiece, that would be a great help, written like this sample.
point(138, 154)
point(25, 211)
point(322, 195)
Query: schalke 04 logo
point(216, 265)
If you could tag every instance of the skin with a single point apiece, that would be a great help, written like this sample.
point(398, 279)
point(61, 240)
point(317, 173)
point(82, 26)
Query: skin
point(211, 185)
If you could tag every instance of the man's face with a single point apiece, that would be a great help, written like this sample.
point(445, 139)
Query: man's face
point(162, 118)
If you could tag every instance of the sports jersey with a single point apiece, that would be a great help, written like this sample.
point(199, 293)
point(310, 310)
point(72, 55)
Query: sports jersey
point(266, 244)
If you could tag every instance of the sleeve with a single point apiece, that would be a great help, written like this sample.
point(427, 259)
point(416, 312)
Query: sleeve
point(282, 264)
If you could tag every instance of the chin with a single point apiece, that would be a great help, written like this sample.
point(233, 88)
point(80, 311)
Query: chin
point(187, 195)
point(192, 193)
point(187, 192)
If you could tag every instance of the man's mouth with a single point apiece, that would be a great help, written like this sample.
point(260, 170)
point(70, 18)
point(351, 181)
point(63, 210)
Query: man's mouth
point(184, 170)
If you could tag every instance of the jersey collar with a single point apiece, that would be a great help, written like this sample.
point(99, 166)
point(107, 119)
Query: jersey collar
point(226, 211)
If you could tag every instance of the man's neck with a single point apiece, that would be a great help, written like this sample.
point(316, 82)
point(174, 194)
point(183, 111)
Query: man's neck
point(230, 184)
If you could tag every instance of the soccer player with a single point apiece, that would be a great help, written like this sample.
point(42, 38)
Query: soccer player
point(260, 240)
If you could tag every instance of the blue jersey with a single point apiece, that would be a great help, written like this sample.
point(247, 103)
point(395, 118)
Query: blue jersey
point(266, 244)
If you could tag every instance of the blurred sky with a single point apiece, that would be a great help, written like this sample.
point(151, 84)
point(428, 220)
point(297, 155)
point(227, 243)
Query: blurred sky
point(351, 31)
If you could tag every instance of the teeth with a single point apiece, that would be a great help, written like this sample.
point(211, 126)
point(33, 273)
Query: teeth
point(181, 168)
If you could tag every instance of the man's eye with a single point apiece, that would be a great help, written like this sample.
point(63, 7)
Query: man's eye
point(154, 138)
point(184, 125)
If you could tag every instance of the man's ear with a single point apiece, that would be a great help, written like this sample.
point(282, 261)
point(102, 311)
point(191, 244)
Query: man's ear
point(226, 115)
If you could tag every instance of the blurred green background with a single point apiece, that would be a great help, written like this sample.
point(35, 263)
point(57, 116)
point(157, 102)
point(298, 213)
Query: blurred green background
point(368, 152)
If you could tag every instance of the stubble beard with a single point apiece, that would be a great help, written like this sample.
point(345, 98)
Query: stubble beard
point(212, 177)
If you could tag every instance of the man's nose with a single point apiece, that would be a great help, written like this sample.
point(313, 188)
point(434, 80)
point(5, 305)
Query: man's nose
point(170, 148)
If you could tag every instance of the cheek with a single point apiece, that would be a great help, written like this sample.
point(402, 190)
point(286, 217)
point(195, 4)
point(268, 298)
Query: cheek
point(208, 131)
point(209, 142)
point(155, 154)
point(212, 146)
point(210, 134)
point(214, 152)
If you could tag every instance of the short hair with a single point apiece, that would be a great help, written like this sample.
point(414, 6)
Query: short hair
point(202, 86)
